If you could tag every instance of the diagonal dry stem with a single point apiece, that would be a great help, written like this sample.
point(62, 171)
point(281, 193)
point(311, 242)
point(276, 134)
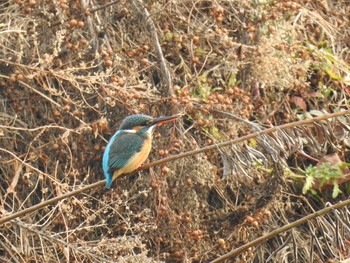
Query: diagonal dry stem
point(175, 157)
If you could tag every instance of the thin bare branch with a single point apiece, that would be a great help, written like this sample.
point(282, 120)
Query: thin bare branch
point(280, 230)
point(152, 28)
point(7, 218)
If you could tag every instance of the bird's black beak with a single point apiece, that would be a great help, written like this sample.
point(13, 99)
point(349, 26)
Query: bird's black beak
point(163, 119)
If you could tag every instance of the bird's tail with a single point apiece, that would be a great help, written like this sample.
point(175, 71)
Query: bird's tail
point(109, 181)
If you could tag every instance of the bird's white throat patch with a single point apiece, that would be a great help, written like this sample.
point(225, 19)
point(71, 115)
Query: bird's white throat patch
point(149, 130)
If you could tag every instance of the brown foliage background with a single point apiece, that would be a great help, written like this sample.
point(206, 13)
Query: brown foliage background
point(71, 70)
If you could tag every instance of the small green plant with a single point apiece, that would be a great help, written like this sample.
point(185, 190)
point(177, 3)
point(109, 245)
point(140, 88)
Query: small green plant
point(324, 174)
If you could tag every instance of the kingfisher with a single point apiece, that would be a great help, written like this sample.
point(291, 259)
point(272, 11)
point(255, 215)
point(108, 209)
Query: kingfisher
point(130, 146)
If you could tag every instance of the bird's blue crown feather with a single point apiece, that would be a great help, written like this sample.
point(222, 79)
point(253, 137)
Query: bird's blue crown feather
point(135, 120)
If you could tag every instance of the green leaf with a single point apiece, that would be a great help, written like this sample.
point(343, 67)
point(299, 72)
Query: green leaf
point(344, 165)
point(253, 143)
point(215, 132)
point(232, 79)
point(316, 113)
point(168, 36)
point(336, 190)
point(199, 52)
point(327, 92)
point(308, 184)
point(313, 191)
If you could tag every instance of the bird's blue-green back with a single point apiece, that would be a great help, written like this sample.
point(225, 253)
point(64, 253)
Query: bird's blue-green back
point(120, 149)
point(123, 148)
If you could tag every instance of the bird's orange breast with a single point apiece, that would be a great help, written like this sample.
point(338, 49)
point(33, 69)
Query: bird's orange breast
point(136, 161)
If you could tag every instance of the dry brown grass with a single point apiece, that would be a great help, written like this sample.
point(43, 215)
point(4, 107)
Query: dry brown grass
point(70, 72)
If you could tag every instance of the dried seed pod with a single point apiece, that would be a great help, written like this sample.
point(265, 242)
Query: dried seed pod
point(73, 22)
point(154, 185)
point(221, 242)
point(165, 169)
point(195, 39)
point(249, 219)
point(81, 24)
point(13, 78)
point(108, 63)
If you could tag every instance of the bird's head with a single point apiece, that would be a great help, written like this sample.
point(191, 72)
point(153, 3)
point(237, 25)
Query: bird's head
point(143, 123)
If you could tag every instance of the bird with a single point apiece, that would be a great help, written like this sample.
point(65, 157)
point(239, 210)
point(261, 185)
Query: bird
point(130, 146)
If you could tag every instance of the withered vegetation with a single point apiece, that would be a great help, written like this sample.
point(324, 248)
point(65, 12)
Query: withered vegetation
point(71, 70)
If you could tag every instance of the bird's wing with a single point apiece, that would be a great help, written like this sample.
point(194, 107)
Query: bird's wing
point(122, 149)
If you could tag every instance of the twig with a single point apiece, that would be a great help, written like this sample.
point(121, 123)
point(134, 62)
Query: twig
point(175, 157)
point(246, 137)
point(152, 28)
point(24, 163)
point(52, 239)
point(56, 104)
point(300, 221)
point(235, 117)
point(94, 42)
point(89, 11)
point(103, 6)
point(51, 201)
point(45, 127)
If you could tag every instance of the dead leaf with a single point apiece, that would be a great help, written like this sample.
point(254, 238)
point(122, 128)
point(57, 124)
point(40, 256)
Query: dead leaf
point(299, 102)
point(65, 136)
point(332, 159)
